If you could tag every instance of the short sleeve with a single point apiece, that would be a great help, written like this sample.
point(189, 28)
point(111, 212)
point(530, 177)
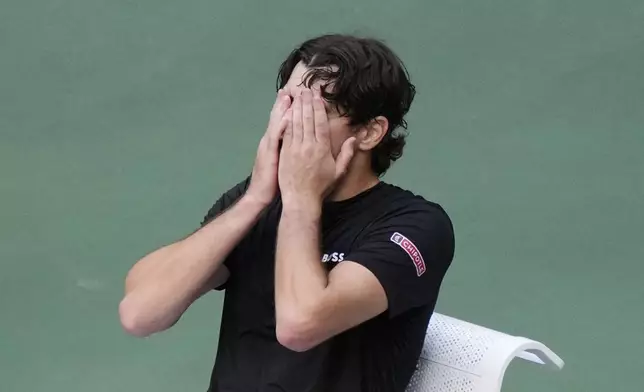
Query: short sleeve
point(409, 251)
point(224, 202)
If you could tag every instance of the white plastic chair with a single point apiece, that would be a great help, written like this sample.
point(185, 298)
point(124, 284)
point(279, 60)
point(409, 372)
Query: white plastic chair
point(462, 357)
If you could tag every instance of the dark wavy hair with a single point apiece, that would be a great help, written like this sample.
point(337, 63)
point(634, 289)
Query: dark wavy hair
point(363, 79)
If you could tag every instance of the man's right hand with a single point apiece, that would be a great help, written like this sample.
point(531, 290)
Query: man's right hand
point(263, 185)
point(164, 283)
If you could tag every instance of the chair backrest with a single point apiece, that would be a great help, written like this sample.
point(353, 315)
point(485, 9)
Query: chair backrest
point(462, 357)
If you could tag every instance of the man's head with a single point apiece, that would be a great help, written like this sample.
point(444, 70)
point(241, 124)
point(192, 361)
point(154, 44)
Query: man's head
point(366, 88)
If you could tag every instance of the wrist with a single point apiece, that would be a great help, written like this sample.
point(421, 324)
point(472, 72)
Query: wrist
point(301, 207)
point(250, 202)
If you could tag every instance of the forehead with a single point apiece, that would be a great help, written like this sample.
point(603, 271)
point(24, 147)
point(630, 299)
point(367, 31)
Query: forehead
point(294, 83)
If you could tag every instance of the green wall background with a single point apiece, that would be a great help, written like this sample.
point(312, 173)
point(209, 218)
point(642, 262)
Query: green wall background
point(121, 122)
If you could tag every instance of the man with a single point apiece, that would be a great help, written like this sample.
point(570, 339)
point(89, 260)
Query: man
point(331, 275)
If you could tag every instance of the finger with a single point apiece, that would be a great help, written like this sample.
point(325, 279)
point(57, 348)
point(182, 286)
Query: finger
point(320, 119)
point(278, 99)
point(297, 120)
point(287, 136)
point(277, 135)
point(288, 91)
point(280, 112)
point(282, 102)
point(344, 158)
point(308, 122)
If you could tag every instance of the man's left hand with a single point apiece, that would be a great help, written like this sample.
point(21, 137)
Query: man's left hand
point(307, 168)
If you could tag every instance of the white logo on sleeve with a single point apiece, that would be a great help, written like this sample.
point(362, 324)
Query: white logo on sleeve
point(334, 257)
point(411, 250)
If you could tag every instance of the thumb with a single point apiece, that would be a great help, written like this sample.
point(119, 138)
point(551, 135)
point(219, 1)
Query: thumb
point(276, 135)
point(344, 158)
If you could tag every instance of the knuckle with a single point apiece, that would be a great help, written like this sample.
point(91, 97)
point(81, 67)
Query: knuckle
point(308, 149)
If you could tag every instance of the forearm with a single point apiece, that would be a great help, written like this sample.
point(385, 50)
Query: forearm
point(300, 277)
point(163, 284)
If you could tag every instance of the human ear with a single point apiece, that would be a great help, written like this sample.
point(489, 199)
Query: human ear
point(370, 135)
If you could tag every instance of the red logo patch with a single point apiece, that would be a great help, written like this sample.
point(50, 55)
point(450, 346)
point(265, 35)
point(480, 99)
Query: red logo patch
point(411, 250)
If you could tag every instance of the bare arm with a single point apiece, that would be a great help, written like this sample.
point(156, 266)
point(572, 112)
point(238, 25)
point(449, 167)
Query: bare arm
point(312, 305)
point(163, 284)
point(386, 271)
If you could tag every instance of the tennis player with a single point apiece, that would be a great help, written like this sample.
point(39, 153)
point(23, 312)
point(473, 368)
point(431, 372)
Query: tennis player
point(330, 274)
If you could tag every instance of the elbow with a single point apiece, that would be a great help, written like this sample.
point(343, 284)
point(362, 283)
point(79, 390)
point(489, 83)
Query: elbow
point(297, 333)
point(132, 319)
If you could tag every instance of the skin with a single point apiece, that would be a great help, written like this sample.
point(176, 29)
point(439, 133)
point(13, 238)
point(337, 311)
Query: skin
point(358, 176)
point(161, 286)
point(322, 157)
point(319, 150)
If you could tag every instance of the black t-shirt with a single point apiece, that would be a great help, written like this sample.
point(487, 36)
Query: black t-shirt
point(404, 240)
